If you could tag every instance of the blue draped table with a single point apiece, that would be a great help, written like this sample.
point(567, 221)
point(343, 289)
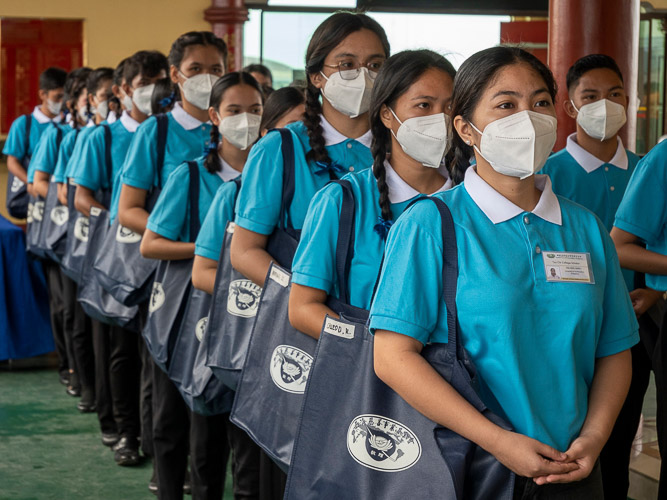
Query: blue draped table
point(25, 330)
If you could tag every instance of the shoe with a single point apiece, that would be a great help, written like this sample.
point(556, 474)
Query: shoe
point(110, 438)
point(152, 484)
point(127, 451)
point(72, 391)
point(187, 485)
point(86, 406)
point(64, 378)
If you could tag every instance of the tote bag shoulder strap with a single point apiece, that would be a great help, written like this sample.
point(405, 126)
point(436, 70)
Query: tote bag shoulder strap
point(287, 150)
point(107, 150)
point(345, 244)
point(162, 128)
point(193, 196)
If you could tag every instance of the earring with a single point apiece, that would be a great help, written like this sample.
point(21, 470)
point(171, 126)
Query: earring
point(468, 142)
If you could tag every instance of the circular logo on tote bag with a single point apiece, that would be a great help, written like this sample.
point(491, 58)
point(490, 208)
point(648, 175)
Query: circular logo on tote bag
point(81, 227)
point(382, 444)
point(126, 235)
point(200, 328)
point(38, 211)
point(157, 297)
point(59, 215)
point(17, 184)
point(243, 298)
point(29, 213)
point(289, 368)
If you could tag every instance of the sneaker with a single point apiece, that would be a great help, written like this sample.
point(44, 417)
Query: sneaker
point(152, 484)
point(110, 439)
point(187, 485)
point(127, 451)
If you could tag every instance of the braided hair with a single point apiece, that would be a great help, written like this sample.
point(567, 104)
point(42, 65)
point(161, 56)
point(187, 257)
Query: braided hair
point(327, 36)
point(74, 86)
point(472, 80)
point(396, 76)
point(212, 162)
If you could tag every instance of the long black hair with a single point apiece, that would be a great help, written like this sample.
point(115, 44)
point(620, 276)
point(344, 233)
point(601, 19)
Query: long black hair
point(95, 80)
point(327, 36)
point(212, 161)
point(396, 76)
point(278, 104)
point(74, 86)
point(472, 79)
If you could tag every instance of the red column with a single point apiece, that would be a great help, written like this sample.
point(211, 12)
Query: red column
point(227, 18)
point(581, 27)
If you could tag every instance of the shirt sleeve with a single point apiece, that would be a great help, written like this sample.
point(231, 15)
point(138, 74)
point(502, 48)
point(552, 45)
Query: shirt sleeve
point(16, 142)
point(45, 157)
point(619, 325)
point(63, 156)
point(139, 169)
point(315, 259)
point(643, 210)
point(76, 157)
point(171, 212)
point(258, 204)
point(90, 170)
point(410, 289)
point(212, 232)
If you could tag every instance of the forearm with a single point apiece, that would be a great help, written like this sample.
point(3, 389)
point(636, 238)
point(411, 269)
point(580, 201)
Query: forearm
point(249, 255)
point(307, 313)
point(131, 211)
point(637, 258)
point(62, 193)
point(40, 183)
point(16, 168)
point(84, 200)
point(154, 246)
point(609, 389)
point(204, 271)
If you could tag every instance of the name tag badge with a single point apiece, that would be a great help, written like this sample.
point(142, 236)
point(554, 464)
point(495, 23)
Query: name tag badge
point(339, 328)
point(568, 267)
point(280, 277)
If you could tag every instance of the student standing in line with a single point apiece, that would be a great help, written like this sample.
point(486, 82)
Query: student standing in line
point(552, 356)
point(409, 118)
point(18, 147)
point(235, 112)
point(282, 107)
point(120, 348)
point(263, 76)
point(342, 60)
point(49, 153)
point(593, 170)
point(639, 232)
point(197, 60)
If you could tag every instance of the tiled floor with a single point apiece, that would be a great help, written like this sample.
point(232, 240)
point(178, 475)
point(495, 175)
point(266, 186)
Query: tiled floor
point(645, 465)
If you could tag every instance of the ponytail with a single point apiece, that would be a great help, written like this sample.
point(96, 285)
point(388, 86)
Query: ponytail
point(212, 161)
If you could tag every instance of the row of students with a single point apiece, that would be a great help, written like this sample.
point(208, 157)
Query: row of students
point(388, 135)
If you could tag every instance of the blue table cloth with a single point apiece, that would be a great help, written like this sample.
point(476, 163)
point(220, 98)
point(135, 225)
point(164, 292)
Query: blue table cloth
point(25, 330)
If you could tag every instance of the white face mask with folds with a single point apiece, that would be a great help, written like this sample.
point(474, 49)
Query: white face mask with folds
point(350, 97)
point(197, 89)
point(240, 130)
point(518, 145)
point(142, 98)
point(101, 109)
point(601, 119)
point(424, 138)
point(54, 107)
point(126, 101)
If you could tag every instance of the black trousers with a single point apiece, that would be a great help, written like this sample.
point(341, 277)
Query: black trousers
point(589, 488)
point(209, 452)
point(649, 354)
point(146, 388)
point(245, 463)
point(57, 312)
point(272, 480)
point(103, 397)
point(124, 380)
point(81, 341)
point(171, 431)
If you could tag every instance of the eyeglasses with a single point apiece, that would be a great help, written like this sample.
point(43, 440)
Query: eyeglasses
point(349, 69)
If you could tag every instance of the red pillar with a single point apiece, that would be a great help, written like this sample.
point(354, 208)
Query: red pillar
point(227, 18)
point(578, 28)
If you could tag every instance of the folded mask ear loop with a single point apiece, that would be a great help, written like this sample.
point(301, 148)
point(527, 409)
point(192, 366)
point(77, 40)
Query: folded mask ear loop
point(574, 106)
point(475, 147)
point(399, 121)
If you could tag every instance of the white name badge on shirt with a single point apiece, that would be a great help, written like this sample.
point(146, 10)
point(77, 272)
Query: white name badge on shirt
point(568, 267)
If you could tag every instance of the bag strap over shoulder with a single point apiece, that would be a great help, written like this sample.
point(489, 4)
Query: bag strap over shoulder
point(59, 136)
point(237, 181)
point(28, 126)
point(194, 200)
point(287, 149)
point(107, 151)
point(345, 245)
point(162, 128)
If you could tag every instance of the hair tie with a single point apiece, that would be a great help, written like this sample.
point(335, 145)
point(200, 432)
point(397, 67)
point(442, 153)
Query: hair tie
point(382, 227)
point(166, 101)
point(210, 147)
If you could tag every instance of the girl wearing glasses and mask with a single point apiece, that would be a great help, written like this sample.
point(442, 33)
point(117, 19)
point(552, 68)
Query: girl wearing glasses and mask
point(342, 59)
point(552, 354)
point(409, 120)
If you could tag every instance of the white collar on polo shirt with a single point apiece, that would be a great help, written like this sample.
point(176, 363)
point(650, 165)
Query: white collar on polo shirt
point(591, 163)
point(128, 122)
point(227, 173)
point(42, 118)
point(333, 136)
point(400, 191)
point(499, 209)
point(185, 120)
